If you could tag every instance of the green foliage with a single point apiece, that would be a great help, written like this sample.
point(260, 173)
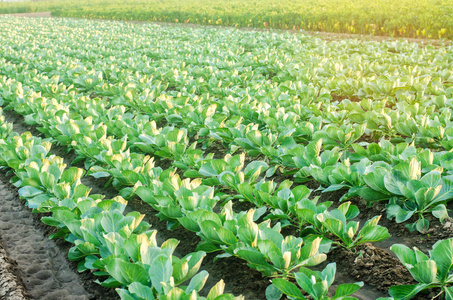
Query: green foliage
point(198, 103)
point(388, 18)
point(106, 241)
point(430, 272)
point(337, 222)
point(409, 192)
point(315, 283)
point(261, 245)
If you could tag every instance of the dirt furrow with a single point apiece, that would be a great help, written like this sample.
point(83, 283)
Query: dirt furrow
point(45, 271)
point(11, 285)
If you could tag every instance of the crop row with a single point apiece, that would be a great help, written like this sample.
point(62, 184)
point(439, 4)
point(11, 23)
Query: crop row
point(279, 138)
point(427, 19)
point(172, 199)
point(278, 261)
point(193, 205)
point(110, 244)
point(234, 61)
point(308, 137)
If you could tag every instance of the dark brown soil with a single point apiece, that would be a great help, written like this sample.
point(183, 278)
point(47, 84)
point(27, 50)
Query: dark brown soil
point(240, 278)
point(218, 149)
point(367, 138)
point(375, 267)
point(339, 98)
point(372, 265)
point(18, 123)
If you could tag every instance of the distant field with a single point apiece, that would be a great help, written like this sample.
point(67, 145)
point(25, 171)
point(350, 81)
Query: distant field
point(423, 19)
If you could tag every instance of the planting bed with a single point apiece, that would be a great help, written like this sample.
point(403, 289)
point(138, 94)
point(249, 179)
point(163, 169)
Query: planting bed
point(255, 156)
point(239, 278)
point(236, 274)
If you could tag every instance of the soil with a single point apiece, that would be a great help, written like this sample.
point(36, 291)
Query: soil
point(41, 265)
point(11, 285)
point(217, 148)
point(375, 267)
point(339, 98)
point(372, 265)
point(44, 14)
point(367, 138)
point(19, 125)
point(240, 278)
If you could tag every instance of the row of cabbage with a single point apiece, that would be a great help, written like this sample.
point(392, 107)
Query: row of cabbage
point(41, 202)
point(193, 205)
point(301, 257)
point(281, 126)
point(185, 202)
point(120, 248)
point(77, 121)
point(423, 19)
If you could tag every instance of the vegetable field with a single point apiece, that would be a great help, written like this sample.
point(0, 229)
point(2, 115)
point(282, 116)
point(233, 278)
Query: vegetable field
point(404, 18)
point(305, 169)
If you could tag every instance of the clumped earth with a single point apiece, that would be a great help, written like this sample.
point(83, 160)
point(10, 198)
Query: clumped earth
point(11, 286)
point(373, 266)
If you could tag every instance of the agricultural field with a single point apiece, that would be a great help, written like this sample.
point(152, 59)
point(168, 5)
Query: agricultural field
point(185, 162)
point(423, 19)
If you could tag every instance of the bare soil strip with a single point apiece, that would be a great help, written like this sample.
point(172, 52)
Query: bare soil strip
point(11, 286)
point(44, 14)
point(43, 267)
